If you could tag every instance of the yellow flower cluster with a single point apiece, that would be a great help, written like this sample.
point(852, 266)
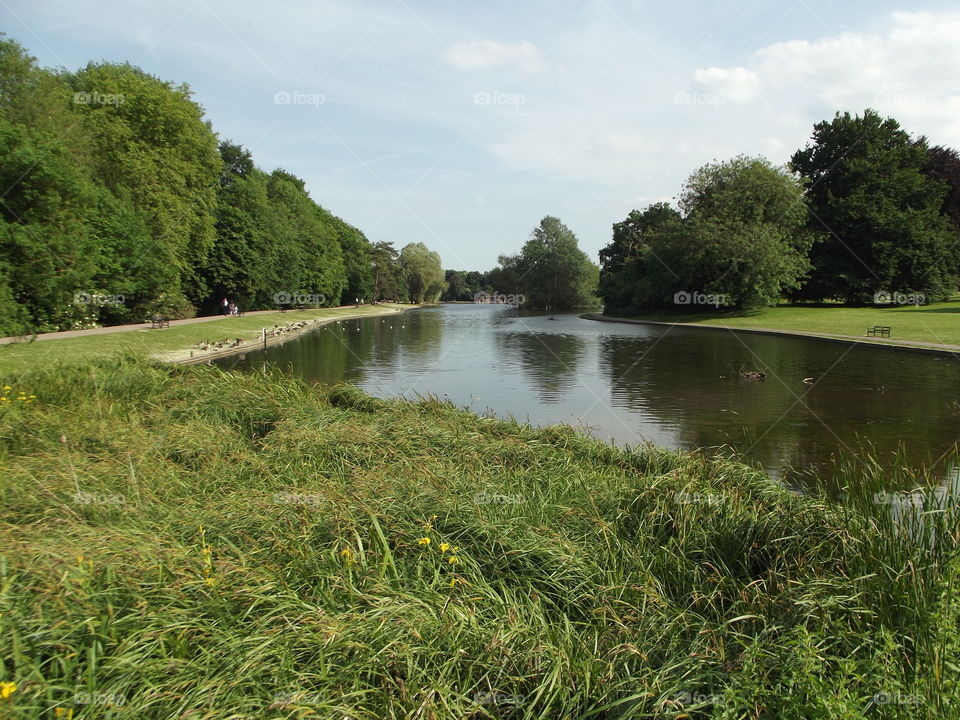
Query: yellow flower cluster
point(7, 689)
point(63, 712)
point(444, 547)
point(7, 396)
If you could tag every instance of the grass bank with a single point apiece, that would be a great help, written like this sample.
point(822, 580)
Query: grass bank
point(937, 323)
point(179, 542)
point(173, 342)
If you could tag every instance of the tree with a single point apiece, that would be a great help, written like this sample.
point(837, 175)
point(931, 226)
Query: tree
point(943, 165)
point(622, 261)
point(388, 280)
point(457, 287)
point(880, 215)
point(746, 223)
point(550, 271)
point(423, 272)
point(152, 146)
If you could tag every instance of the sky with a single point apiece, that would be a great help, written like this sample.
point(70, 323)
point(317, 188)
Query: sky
point(461, 124)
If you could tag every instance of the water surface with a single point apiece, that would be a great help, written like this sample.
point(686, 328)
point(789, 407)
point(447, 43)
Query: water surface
point(677, 387)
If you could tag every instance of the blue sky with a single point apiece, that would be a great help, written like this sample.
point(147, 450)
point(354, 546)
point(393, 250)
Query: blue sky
point(461, 124)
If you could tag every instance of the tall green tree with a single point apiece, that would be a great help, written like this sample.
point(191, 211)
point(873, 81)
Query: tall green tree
point(741, 240)
point(423, 272)
point(878, 212)
point(153, 147)
point(550, 271)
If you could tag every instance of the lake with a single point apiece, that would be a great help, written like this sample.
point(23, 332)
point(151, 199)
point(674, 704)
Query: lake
point(630, 384)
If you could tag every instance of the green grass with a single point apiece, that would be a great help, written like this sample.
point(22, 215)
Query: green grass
point(19, 356)
point(180, 542)
point(935, 323)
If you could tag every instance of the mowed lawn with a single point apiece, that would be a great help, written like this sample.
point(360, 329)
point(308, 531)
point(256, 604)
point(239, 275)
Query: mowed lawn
point(19, 356)
point(935, 323)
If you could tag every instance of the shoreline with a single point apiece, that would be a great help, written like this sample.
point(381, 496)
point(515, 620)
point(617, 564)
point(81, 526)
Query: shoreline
point(907, 345)
point(187, 356)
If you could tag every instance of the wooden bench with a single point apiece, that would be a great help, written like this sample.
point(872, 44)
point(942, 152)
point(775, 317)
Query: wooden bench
point(158, 321)
point(879, 331)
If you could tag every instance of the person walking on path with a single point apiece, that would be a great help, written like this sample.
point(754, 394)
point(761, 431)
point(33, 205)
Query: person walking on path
point(225, 306)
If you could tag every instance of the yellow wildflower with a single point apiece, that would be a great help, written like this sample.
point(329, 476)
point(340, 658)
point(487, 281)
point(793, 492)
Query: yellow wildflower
point(63, 712)
point(423, 541)
point(7, 689)
point(347, 555)
point(453, 559)
point(444, 547)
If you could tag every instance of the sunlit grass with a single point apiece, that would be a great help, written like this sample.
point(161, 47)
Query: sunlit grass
point(186, 543)
point(937, 323)
point(19, 356)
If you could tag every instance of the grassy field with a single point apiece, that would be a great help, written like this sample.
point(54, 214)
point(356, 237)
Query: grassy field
point(935, 323)
point(178, 542)
point(15, 357)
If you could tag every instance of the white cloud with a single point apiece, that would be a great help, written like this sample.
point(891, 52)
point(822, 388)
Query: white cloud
point(490, 54)
point(737, 84)
point(627, 143)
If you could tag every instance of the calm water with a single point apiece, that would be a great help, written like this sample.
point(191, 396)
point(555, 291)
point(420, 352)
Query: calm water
point(631, 383)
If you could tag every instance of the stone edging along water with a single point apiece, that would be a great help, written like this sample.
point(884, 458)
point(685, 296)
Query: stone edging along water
point(945, 350)
point(179, 357)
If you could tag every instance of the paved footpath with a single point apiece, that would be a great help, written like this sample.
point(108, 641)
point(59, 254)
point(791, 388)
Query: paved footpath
point(915, 345)
point(140, 326)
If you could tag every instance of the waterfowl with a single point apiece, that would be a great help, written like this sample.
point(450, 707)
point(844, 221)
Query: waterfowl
point(808, 381)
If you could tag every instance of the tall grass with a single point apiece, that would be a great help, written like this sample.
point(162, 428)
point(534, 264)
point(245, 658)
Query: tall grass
point(188, 543)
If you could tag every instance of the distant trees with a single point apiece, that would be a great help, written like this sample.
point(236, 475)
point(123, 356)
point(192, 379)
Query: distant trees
point(463, 285)
point(550, 270)
point(861, 210)
point(741, 240)
point(875, 198)
point(121, 202)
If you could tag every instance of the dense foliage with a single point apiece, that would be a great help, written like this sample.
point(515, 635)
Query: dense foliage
point(550, 271)
point(740, 242)
point(863, 214)
point(880, 215)
point(122, 202)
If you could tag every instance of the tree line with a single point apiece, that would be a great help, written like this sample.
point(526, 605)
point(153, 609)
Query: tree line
point(120, 201)
point(863, 214)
